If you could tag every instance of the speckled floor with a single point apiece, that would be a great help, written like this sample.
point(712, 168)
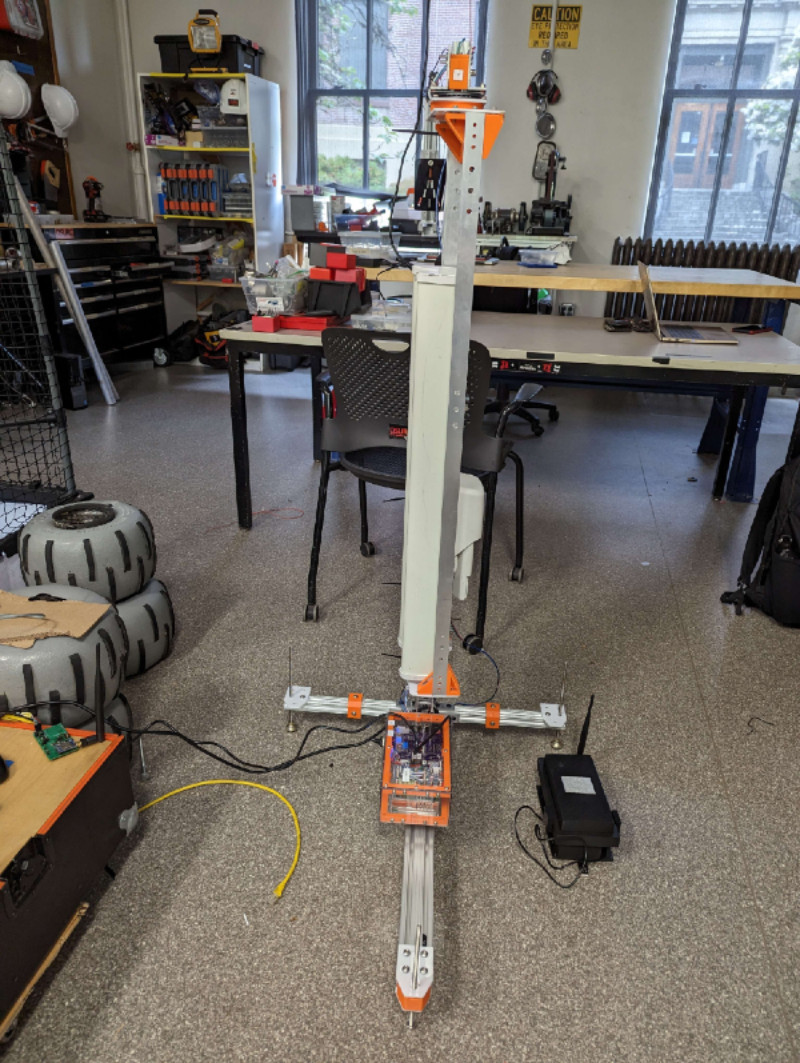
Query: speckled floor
point(686, 948)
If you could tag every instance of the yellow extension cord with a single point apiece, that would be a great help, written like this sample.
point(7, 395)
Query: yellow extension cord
point(278, 891)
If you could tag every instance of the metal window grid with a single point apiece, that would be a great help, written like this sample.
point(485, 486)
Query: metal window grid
point(731, 96)
point(309, 92)
point(35, 461)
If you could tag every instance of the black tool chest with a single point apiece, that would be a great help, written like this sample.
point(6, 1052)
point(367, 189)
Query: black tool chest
point(118, 274)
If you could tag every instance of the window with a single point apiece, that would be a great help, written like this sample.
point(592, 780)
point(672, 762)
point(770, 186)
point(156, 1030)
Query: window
point(360, 77)
point(727, 163)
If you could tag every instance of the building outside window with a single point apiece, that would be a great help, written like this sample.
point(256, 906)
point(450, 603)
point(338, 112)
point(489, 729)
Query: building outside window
point(727, 163)
point(360, 86)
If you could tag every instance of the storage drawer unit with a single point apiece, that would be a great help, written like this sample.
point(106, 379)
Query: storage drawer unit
point(118, 273)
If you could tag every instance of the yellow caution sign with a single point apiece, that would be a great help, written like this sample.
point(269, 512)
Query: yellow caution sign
point(568, 25)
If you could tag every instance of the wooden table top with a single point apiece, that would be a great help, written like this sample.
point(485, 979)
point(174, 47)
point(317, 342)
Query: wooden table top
point(584, 340)
point(585, 277)
point(36, 787)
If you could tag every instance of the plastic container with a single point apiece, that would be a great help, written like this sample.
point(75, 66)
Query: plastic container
point(269, 296)
point(238, 55)
point(229, 274)
point(537, 256)
point(387, 317)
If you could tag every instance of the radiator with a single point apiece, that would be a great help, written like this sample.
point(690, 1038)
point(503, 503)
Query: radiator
point(783, 262)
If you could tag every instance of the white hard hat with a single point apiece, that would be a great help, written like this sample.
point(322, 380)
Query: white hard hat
point(62, 110)
point(15, 93)
point(233, 97)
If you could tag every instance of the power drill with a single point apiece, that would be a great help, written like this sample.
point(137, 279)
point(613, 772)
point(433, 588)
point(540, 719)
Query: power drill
point(94, 209)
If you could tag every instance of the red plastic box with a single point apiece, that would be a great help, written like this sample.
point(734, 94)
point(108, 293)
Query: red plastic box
point(340, 260)
point(347, 276)
point(318, 273)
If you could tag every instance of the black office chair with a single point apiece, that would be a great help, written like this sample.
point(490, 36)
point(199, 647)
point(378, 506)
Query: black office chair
point(370, 393)
point(513, 301)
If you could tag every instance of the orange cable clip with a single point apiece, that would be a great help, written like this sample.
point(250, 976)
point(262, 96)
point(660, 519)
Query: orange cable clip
point(354, 706)
point(492, 715)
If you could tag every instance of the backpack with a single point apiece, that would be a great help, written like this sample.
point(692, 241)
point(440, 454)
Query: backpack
point(773, 544)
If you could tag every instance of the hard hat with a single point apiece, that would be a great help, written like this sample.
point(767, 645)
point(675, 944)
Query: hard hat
point(62, 110)
point(233, 97)
point(15, 93)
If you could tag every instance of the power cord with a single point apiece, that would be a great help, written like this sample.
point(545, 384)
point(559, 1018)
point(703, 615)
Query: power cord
point(230, 759)
point(583, 865)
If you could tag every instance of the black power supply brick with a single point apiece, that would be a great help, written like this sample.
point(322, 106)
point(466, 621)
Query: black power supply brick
point(579, 823)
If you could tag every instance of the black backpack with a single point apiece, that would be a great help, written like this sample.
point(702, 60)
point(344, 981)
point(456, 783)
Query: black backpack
point(773, 544)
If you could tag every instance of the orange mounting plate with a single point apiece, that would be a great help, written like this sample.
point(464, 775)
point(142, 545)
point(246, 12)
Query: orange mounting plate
point(406, 801)
point(450, 123)
point(453, 689)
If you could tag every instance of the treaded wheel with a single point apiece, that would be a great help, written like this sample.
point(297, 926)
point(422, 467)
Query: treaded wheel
point(149, 622)
point(553, 415)
point(311, 613)
point(368, 549)
point(85, 670)
point(517, 574)
point(472, 644)
point(106, 547)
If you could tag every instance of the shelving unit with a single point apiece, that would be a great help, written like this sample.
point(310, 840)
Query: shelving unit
point(260, 160)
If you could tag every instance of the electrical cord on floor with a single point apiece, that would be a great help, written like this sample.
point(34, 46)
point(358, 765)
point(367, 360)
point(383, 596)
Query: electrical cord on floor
point(278, 891)
point(480, 704)
point(583, 865)
point(230, 759)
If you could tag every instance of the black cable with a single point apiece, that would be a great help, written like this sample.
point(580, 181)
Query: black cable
point(230, 760)
point(421, 102)
point(585, 729)
point(582, 864)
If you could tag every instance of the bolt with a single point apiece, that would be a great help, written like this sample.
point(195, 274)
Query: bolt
point(405, 968)
point(423, 970)
point(406, 952)
point(424, 954)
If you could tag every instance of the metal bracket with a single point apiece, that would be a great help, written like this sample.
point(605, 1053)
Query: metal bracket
point(554, 715)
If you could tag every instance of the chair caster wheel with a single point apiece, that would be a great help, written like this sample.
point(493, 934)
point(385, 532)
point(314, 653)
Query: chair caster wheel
point(517, 574)
point(553, 415)
point(368, 549)
point(537, 430)
point(311, 613)
point(472, 644)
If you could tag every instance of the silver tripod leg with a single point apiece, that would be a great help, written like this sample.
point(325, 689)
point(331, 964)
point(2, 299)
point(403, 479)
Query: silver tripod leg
point(414, 973)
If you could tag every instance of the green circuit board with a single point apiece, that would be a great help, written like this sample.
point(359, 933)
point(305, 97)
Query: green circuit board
point(55, 741)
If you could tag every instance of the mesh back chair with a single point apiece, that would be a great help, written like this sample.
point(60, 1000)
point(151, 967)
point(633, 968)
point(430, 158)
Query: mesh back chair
point(370, 386)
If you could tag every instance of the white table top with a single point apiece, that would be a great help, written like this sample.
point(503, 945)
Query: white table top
point(584, 340)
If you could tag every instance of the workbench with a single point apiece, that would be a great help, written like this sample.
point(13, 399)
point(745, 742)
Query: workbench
point(563, 349)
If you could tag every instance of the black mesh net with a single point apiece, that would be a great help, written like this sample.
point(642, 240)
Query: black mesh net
point(35, 462)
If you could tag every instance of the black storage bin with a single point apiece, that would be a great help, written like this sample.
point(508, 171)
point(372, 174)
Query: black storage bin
point(238, 55)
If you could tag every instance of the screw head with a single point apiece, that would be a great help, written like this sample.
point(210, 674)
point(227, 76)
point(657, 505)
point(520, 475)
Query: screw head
point(423, 970)
point(424, 954)
point(406, 952)
point(405, 968)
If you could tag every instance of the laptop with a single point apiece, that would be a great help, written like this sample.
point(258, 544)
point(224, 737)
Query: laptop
point(679, 333)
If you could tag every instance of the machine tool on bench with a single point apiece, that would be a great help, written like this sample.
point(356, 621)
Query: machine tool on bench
point(443, 520)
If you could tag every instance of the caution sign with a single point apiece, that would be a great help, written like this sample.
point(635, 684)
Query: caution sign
point(568, 25)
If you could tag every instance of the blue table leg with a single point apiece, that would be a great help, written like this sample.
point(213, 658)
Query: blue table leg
point(742, 478)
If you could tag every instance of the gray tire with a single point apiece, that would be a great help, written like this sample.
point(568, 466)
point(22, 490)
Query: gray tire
point(66, 668)
point(149, 623)
point(106, 547)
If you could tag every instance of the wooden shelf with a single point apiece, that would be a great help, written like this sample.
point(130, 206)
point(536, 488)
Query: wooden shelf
point(207, 151)
point(201, 217)
point(230, 285)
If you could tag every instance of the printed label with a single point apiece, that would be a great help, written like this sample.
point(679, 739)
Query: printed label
point(577, 784)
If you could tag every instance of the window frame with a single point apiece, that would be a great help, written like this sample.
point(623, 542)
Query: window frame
point(731, 96)
point(308, 92)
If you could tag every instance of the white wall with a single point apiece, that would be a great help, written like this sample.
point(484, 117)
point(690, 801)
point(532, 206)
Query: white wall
point(85, 35)
point(606, 120)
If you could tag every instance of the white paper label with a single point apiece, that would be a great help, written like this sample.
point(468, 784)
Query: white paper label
point(577, 784)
